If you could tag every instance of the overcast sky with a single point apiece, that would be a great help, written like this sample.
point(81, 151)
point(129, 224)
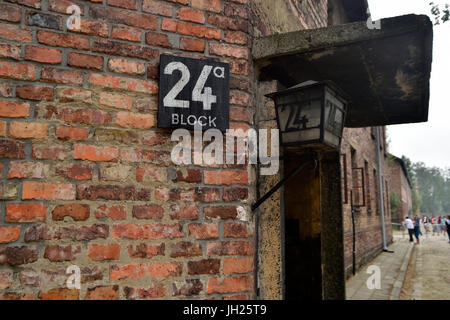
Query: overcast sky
point(427, 142)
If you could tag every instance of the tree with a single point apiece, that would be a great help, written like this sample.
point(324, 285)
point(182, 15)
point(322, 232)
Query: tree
point(440, 15)
point(395, 202)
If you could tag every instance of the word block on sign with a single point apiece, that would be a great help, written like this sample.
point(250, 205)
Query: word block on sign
point(193, 92)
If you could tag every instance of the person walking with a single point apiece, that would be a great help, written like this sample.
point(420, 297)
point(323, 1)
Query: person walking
point(410, 226)
point(417, 232)
point(447, 227)
point(443, 220)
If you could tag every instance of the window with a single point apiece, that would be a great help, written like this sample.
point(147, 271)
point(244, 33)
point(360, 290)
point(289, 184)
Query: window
point(359, 190)
point(344, 178)
point(377, 192)
point(368, 191)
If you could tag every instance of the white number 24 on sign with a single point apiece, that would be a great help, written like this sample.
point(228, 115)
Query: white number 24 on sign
point(199, 94)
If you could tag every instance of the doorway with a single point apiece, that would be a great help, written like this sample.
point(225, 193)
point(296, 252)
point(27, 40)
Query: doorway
point(302, 214)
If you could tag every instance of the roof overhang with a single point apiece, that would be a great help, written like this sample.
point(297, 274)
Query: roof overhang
point(385, 72)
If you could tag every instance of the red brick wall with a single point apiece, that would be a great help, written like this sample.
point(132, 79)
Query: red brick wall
point(367, 218)
point(401, 188)
point(86, 177)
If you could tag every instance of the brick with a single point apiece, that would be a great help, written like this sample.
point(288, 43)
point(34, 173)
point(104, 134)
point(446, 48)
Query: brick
point(94, 153)
point(226, 23)
point(150, 211)
point(43, 55)
point(154, 138)
point(183, 2)
point(12, 149)
point(225, 177)
point(91, 28)
point(14, 109)
point(205, 266)
point(191, 15)
point(126, 66)
point(190, 287)
point(208, 5)
point(236, 297)
point(75, 171)
point(134, 120)
point(183, 212)
point(116, 135)
point(165, 269)
point(73, 94)
point(28, 130)
point(29, 3)
point(157, 39)
point(102, 293)
point(191, 29)
point(9, 51)
point(124, 49)
point(50, 153)
point(147, 231)
point(15, 33)
point(55, 253)
point(32, 92)
point(126, 33)
point(29, 277)
point(131, 271)
point(151, 174)
point(240, 114)
point(61, 6)
point(100, 252)
point(112, 192)
point(8, 190)
point(59, 294)
point(221, 212)
point(47, 191)
point(6, 278)
point(62, 40)
point(127, 4)
point(202, 231)
point(28, 169)
point(238, 248)
point(17, 296)
point(240, 83)
point(10, 12)
point(85, 61)
point(192, 45)
point(6, 90)
point(15, 256)
point(188, 175)
point(129, 84)
point(18, 71)
point(118, 16)
point(25, 212)
point(74, 233)
point(7, 235)
point(71, 133)
point(228, 285)
point(234, 10)
point(236, 37)
point(157, 290)
point(146, 251)
point(237, 265)
point(85, 116)
point(78, 212)
point(240, 98)
point(113, 172)
point(185, 249)
point(117, 212)
point(61, 76)
point(157, 7)
point(198, 194)
point(228, 51)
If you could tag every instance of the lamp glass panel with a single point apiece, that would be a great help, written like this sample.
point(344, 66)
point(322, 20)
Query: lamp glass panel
point(301, 136)
point(300, 115)
point(331, 139)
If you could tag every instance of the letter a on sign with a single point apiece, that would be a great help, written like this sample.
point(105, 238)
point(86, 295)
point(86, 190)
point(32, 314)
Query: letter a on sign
point(193, 92)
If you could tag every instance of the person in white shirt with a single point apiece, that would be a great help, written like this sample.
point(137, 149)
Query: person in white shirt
point(410, 225)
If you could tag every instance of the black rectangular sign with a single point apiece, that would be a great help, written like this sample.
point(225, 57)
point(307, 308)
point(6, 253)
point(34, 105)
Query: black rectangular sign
point(193, 91)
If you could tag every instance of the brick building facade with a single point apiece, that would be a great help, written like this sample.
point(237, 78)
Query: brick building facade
point(86, 174)
point(401, 186)
point(360, 177)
